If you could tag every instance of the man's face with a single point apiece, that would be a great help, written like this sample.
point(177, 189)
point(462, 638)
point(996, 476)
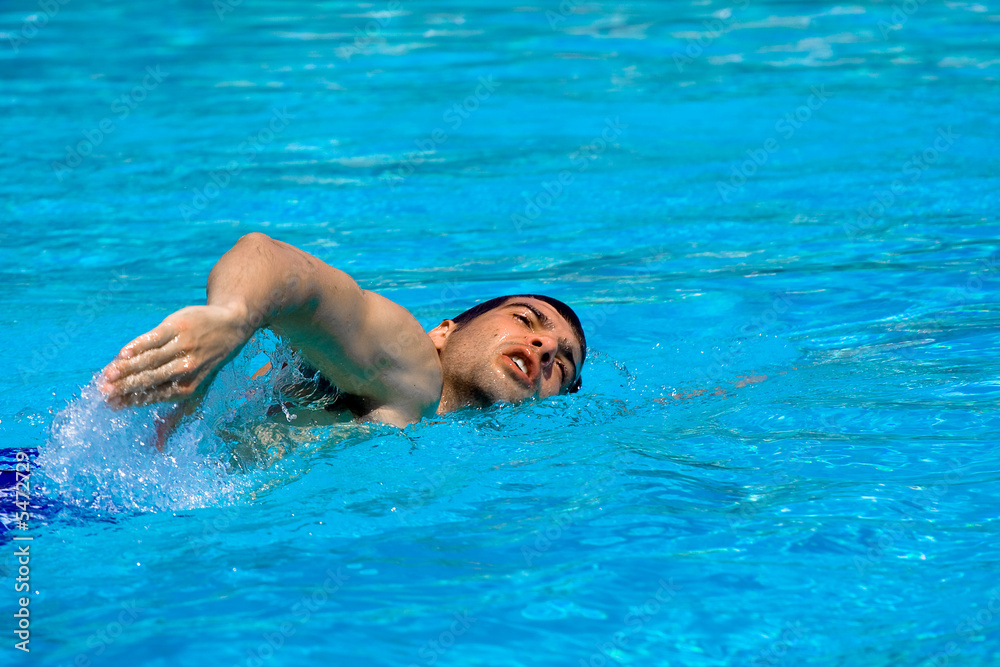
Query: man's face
point(519, 350)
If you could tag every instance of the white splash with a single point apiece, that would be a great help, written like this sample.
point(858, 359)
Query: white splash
point(105, 460)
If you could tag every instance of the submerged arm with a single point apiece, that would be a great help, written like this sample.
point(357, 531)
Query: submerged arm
point(362, 342)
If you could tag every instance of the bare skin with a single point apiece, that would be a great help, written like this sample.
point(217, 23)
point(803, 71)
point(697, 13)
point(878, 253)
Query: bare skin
point(372, 349)
point(482, 361)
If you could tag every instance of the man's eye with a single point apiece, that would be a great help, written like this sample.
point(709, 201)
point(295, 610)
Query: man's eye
point(523, 319)
point(562, 372)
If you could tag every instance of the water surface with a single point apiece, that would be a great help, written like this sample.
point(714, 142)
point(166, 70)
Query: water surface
point(777, 219)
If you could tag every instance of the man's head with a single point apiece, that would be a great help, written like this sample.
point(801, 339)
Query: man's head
point(509, 349)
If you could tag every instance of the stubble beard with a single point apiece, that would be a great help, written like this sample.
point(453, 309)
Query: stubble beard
point(472, 385)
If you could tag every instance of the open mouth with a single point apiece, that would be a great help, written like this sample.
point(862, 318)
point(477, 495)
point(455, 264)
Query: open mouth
point(519, 362)
point(521, 366)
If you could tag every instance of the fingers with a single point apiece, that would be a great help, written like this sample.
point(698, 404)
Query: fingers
point(168, 363)
point(149, 378)
point(152, 340)
point(163, 393)
point(119, 370)
point(148, 341)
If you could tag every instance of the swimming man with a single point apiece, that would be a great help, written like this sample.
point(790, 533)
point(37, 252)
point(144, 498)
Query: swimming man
point(383, 363)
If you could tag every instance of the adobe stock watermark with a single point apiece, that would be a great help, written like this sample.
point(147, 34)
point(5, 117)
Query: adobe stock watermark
point(889, 535)
point(419, 497)
point(969, 627)
point(302, 611)
point(218, 180)
point(98, 642)
point(786, 128)
point(385, 359)
point(989, 270)
point(721, 23)
point(598, 315)
point(450, 291)
point(370, 33)
point(122, 107)
point(32, 24)
point(957, 296)
point(553, 530)
point(212, 529)
point(774, 653)
point(435, 648)
point(562, 12)
point(223, 7)
point(788, 474)
point(901, 13)
point(768, 319)
point(454, 116)
point(581, 159)
point(634, 620)
point(50, 348)
point(405, 340)
point(912, 171)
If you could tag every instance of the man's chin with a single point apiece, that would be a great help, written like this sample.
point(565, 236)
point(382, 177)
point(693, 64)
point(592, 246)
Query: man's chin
point(486, 407)
point(483, 397)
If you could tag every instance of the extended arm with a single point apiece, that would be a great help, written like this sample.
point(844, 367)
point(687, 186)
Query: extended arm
point(365, 344)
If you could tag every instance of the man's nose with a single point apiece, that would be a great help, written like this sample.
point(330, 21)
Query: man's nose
point(546, 347)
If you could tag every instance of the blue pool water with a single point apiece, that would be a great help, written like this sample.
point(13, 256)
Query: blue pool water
point(777, 219)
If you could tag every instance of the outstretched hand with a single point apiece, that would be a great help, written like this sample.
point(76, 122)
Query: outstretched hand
point(178, 359)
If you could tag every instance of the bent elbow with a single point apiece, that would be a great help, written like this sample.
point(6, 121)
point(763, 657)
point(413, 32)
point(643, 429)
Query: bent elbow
point(254, 238)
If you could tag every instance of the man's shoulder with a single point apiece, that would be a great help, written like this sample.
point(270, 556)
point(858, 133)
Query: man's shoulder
point(406, 366)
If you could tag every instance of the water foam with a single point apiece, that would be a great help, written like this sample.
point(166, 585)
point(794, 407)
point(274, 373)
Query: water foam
point(106, 460)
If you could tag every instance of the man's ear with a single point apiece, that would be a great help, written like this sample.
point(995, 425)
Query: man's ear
point(439, 334)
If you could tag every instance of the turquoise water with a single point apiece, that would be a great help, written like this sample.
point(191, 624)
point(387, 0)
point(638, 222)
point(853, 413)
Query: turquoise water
point(777, 219)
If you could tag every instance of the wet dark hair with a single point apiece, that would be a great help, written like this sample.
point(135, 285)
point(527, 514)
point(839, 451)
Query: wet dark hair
point(564, 311)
